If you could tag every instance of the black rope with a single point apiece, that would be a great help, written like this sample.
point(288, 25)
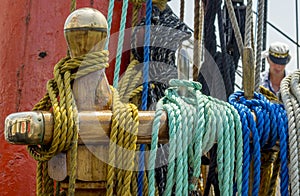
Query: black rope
point(167, 34)
point(212, 178)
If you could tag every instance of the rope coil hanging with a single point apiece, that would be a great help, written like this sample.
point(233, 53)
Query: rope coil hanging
point(289, 90)
point(270, 125)
point(60, 100)
point(207, 119)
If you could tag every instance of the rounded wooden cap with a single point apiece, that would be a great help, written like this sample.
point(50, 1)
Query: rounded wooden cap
point(86, 18)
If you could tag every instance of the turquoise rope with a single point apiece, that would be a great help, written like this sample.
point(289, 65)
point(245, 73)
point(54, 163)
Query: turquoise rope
point(120, 43)
point(110, 13)
point(153, 150)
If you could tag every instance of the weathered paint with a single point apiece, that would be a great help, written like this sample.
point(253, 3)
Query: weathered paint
point(31, 42)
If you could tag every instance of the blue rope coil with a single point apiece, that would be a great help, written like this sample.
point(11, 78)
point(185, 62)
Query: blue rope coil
point(269, 127)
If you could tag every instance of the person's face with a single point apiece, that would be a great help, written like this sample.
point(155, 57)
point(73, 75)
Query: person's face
point(276, 69)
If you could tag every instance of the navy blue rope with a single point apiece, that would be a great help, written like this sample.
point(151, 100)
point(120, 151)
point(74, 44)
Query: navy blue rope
point(145, 89)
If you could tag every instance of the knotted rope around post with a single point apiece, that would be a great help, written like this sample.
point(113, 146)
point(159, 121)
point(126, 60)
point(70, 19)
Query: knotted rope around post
point(205, 116)
point(269, 126)
point(122, 148)
point(59, 98)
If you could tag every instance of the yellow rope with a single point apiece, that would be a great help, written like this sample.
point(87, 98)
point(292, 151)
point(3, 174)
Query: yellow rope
point(161, 4)
point(268, 94)
point(130, 78)
point(60, 100)
point(270, 161)
point(123, 138)
point(73, 5)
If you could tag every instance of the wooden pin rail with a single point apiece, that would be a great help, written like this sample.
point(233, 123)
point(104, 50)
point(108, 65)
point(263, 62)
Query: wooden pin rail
point(94, 127)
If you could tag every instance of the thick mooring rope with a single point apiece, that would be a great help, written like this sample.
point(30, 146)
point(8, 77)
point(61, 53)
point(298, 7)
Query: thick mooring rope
point(60, 99)
point(289, 90)
point(208, 115)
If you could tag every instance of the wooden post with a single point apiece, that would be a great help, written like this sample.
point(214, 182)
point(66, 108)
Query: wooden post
point(85, 31)
point(248, 72)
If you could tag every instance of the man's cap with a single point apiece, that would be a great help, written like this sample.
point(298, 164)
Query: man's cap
point(278, 53)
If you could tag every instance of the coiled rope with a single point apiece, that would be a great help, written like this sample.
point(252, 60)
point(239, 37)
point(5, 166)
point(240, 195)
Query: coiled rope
point(122, 148)
point(289, 90)
point(59, 98)
point(207, 116)
point(270, 125)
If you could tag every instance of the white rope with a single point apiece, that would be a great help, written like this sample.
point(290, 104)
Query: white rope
point(259, 34)
point(291, 99)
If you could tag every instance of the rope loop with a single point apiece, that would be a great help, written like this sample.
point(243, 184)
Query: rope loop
point(60, 100)
point(193, 120)
point(269, 126)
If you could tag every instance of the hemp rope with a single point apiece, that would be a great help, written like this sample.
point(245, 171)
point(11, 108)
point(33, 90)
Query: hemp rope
point(59, 98)
point(248, 24)
point(122, 148)
point(271, 164)
point(290, 98)
point(259, 35)
point(196, 55)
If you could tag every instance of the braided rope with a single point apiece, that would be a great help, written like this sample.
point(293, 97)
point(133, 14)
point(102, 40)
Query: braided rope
point(259, 35)
point(290, 99)
point(65, 134)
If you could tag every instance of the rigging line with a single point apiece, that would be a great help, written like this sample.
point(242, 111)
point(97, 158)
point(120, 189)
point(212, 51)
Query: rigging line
point(297, 32)
point(264, 45)
point(281, 32)
point(147, 43)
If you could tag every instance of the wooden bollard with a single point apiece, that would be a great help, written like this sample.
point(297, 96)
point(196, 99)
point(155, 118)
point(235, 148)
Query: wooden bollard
point(85, 31)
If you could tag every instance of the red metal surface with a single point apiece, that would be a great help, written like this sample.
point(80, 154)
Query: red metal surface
point(32, 42)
